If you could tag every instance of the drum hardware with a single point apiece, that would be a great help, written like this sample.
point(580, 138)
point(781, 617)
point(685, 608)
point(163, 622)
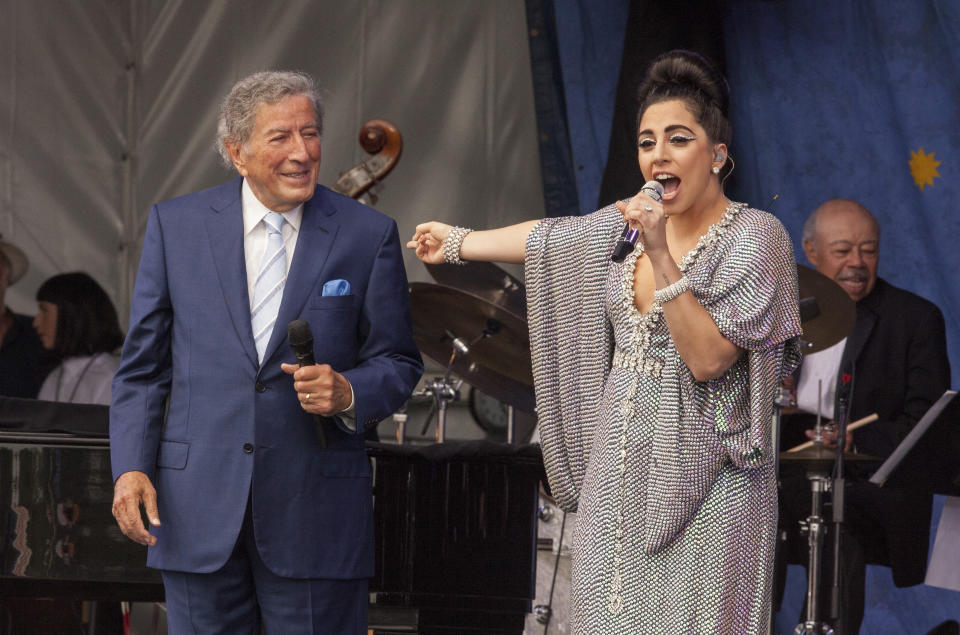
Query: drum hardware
point(442, 390)
point(814, 528)
point(551, 603)
point(478, 298)
point(400, 418)
point(544, 612)
point(818, 462)
point(827, 315)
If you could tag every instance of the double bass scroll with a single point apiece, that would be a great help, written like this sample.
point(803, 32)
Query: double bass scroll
point(381, 139)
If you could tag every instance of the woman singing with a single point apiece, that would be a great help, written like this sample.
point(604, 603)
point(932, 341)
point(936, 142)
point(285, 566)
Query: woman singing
point(655, 377)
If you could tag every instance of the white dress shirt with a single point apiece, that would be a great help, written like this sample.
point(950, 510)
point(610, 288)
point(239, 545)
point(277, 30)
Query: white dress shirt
point(822, 366)
point(255, 243)
point(255, 234)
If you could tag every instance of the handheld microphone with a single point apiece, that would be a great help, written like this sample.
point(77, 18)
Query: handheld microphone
point(301, 342)
point(628, 239)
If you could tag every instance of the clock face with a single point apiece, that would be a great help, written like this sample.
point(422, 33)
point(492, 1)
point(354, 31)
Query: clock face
point(489, 413)
point(493, 416)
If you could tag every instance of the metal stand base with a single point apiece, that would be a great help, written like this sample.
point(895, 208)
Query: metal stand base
point(813, 628)
point(815, 528)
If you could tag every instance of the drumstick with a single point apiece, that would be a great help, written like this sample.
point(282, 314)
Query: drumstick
point(859, 423)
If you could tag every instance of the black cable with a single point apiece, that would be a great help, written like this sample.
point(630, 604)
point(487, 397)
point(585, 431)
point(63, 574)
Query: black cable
point(556, 568)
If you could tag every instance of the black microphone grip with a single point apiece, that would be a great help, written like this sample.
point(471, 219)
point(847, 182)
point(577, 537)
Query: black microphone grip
point(301, 342)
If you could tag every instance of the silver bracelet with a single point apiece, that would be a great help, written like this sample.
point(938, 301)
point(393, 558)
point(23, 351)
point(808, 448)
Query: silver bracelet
point(452, 243)
point(669, 292)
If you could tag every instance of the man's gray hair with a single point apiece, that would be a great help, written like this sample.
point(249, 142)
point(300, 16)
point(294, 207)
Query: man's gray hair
point(239, 108)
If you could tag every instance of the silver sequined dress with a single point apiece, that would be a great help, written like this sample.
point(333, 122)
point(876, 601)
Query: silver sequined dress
point(672, 478)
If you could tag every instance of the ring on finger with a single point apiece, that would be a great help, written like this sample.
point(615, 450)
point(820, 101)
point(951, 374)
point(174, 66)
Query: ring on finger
point(307, 398)
point(649, 208)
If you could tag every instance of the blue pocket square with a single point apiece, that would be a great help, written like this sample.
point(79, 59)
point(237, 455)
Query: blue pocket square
point(336, 287)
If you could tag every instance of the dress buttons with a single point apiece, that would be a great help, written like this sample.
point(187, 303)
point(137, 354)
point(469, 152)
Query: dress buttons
point(261, 387)
point(248, 448)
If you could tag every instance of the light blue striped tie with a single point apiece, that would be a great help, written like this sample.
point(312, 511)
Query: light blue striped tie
point(269, 288)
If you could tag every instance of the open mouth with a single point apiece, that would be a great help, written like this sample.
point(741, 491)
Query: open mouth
point(670, 183)
point(853, 283)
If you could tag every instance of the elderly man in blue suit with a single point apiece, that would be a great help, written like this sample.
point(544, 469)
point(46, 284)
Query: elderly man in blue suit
point(251, 470)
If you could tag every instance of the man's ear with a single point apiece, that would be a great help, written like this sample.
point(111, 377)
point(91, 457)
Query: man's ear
point(809, 248)
point(238, 156)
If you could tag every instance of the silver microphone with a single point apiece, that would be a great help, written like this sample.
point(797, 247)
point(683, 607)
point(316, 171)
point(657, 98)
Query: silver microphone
point(628, 238)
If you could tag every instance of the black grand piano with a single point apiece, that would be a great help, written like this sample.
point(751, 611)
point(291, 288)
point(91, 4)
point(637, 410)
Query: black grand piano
point(455, 525)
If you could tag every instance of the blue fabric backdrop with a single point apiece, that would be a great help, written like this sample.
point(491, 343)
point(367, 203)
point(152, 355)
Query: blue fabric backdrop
point(590, 37)
point(856, 99)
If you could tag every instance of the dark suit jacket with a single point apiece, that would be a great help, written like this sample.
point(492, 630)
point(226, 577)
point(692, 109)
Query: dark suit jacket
point(211, 427)
point(897, 356)
point(23, 362)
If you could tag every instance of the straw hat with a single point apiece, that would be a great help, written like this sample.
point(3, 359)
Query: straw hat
point(16, 257)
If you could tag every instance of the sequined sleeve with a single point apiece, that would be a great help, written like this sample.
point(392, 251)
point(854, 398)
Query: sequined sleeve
point(752, 296)
point(570, 339)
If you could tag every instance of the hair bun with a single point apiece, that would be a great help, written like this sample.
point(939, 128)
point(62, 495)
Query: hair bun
point(684, 72)
point(692, 78)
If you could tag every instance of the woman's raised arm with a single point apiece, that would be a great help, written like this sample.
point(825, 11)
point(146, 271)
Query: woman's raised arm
point(506, 244)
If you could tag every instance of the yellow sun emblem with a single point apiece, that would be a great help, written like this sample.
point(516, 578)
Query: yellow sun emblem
point(923, 168)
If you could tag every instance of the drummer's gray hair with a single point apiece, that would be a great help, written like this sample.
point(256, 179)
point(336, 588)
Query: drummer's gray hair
point(239, 108)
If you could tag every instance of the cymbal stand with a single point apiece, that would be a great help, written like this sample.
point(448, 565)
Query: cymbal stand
point(840, 418)
point(818, 429)
point(781, 401)
point(440, 389)
point(815, 529)
point(400, 418)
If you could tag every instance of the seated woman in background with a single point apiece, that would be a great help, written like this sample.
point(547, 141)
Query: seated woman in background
point(78, 324)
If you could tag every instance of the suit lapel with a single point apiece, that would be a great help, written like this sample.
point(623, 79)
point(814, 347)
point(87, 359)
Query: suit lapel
point(318, 230)
point(224, 225)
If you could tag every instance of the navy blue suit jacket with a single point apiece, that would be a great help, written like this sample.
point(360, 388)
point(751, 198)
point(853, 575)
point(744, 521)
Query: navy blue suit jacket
point(210, 426)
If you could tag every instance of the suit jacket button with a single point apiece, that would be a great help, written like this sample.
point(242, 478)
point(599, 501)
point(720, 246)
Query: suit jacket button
point(248, 448)
point(261, 387)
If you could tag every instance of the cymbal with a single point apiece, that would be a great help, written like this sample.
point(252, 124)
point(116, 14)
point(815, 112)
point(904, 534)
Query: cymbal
point(484, 280)
point(827, 313)
point(820, 458)
point(498, 359)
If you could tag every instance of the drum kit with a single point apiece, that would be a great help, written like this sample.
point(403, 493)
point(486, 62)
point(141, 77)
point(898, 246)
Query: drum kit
point(473, 323)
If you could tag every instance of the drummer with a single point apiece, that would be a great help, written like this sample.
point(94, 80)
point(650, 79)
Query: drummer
point(894, 362)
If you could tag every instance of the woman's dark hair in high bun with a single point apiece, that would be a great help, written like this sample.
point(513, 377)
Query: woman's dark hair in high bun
point(689, 76)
